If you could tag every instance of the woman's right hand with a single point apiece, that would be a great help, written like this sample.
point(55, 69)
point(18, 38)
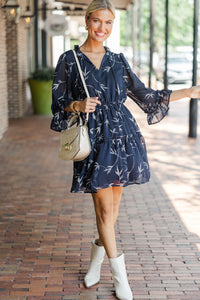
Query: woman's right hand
point(88, 105)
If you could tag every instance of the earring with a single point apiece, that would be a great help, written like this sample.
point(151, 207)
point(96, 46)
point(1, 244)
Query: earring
point(86, 27)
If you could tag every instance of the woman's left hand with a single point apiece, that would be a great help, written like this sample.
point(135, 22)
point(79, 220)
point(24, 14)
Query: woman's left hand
point(195, 92)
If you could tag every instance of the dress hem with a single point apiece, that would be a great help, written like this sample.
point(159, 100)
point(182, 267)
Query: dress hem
point(107, 186)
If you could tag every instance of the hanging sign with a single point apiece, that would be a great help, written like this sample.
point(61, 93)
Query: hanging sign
point(55, 25)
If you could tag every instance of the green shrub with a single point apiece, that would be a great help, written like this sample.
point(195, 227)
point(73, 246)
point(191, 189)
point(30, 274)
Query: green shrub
point(46, 74)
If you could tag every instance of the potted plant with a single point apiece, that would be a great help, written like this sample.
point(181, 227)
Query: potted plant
point(40, 83)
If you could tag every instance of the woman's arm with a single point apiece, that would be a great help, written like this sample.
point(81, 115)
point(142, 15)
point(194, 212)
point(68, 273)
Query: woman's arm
point(85, 106)
point(193, 92)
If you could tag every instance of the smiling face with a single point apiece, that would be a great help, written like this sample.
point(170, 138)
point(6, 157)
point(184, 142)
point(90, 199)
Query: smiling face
point(100, 25)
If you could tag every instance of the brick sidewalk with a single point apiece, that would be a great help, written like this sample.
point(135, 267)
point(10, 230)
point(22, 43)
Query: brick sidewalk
point(46, 231)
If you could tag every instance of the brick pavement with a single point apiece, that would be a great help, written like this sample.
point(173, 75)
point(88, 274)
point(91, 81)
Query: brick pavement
point(46, 231)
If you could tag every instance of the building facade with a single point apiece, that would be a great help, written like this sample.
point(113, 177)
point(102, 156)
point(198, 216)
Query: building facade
point(22, 50)
point(14, 69)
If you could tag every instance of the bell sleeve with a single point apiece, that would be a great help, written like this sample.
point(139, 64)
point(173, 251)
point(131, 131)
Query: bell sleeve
point(154, 103)
point(61, 94)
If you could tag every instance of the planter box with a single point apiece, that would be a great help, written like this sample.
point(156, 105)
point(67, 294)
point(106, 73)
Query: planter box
point(41, 92)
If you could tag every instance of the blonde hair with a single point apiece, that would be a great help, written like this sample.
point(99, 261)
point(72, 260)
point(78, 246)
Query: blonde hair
point(99, 4)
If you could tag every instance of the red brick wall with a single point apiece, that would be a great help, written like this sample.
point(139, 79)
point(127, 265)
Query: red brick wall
point(12, 69)
point(3, 77)
point(17, 68)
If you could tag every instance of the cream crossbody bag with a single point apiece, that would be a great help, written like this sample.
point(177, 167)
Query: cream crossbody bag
point(74, 141)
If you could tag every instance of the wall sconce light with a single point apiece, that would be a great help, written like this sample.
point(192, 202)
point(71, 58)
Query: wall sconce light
point(28, 15)
point(3, 3)
point(12, 9)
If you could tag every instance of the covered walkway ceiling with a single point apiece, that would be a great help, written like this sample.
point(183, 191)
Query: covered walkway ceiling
point(119, 4)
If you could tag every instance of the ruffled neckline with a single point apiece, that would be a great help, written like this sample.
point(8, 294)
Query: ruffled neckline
point(79, 52)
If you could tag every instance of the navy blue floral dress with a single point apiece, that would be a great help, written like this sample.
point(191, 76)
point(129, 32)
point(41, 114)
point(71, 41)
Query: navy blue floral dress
point(118, 156)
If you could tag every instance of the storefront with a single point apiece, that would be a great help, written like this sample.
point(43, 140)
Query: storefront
point(26, 47)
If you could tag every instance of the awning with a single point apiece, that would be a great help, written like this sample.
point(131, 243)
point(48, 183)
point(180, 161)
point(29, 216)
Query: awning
point(119, 4)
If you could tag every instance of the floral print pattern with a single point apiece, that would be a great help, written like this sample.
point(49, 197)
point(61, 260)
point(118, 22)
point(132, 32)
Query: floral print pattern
point(118, 156)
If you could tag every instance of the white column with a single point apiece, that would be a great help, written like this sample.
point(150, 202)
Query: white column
point(113, 41)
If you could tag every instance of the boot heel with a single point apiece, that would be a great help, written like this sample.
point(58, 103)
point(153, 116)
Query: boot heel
point(122, 288)
point(97, 256)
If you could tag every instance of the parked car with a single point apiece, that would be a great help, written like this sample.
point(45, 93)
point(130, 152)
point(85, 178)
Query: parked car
point(179, 69)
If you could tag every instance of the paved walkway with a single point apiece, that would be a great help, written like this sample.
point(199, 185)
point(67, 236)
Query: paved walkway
point(46, 231)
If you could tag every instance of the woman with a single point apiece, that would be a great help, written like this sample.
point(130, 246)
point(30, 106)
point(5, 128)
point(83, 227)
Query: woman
point(118, 157)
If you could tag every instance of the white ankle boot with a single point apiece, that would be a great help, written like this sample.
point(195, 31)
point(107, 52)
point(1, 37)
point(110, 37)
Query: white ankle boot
point(122, 288)
point(97, 256)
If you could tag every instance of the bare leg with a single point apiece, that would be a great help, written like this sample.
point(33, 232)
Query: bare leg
point(117, 193)
point(106, 203)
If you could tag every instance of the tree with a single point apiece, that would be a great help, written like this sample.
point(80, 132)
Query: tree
point(180, 24)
